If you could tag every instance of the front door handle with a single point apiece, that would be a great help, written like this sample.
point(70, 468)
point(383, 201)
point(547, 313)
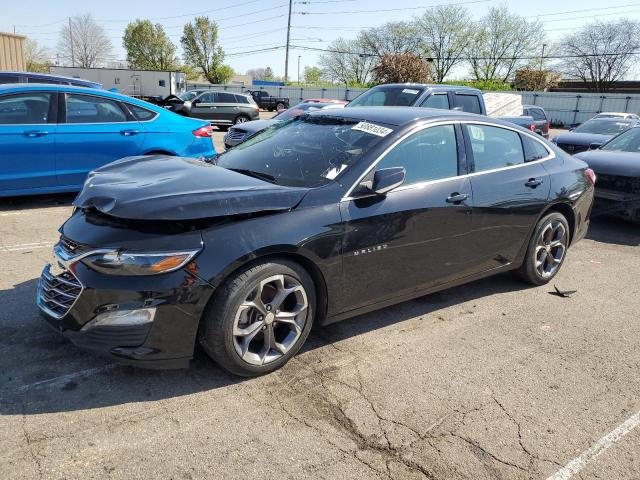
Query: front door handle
point(36, 133)
point(456, 198)
point(533, 183)
point(129, 133)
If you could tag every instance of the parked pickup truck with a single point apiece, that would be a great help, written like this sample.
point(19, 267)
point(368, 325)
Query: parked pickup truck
point(267, 102)
point(447, 97)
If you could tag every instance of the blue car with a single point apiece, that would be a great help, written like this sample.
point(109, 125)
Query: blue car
point(52, 136)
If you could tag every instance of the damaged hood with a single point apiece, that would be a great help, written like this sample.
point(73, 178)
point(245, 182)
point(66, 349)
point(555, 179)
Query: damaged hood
point(174, 188)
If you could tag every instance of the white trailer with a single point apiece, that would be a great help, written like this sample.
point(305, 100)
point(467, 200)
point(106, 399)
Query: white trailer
point(147, 84)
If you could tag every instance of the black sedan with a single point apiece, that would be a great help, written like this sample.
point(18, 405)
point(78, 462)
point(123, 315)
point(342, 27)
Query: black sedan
point(331, 215)
point(617, 165)
point(592, 133)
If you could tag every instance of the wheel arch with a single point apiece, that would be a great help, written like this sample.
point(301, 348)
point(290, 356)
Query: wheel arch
point(159, 152)
point(567, 211)
point(311, 267)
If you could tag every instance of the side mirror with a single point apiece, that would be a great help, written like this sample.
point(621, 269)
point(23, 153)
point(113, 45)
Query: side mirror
point(595, 146)
point(196, 102)
point(383, 182)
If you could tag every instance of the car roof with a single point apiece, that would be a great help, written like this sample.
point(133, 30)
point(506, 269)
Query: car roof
point(433, 86)
point(31, 87)
point(532, 106)
point(622, 114)
point(48, 76)
point(613, 119)
point(400, 116)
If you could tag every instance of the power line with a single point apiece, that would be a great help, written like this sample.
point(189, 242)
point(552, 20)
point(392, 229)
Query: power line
point(396, 9)
point(608, 7)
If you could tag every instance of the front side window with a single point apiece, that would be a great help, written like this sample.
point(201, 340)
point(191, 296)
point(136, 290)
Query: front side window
point(90, 109)
point(468, 103)
point(209, 97)
point(308, 151)
point(25, 108)
point(440, 100)
point(388, 97)
point(494, 147)
point(430, 154)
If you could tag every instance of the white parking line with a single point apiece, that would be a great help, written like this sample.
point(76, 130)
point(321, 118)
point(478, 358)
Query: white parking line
point(62, 379)
point(578, 463)
point(25, 246)
point(30, 211)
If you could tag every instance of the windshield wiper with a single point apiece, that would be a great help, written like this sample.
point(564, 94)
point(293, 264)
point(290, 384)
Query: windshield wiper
point(252, 173)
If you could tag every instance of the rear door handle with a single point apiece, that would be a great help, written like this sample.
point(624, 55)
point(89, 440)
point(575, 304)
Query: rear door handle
point(128, 133)
point(533, 183)
point(36, 133)
point(457, 197)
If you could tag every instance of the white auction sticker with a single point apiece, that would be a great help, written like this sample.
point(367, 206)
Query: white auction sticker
point(372, 129)
point(411, 91)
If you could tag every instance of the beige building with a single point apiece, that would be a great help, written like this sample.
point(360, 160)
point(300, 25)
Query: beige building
point(12, 52)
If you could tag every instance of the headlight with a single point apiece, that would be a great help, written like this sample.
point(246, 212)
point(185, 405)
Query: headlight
point(129, 263)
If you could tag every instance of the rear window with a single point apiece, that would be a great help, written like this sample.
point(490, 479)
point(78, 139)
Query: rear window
point(537, 114)
point(603, 126)
point(468, 103)
point(388, 97)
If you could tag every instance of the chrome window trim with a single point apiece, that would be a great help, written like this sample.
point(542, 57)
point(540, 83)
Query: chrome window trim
point(551, 155)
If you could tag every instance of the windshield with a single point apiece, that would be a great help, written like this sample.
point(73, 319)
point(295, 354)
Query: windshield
point(603, 127)
point(401, 96)
point(628, 141)
point(187, 96)
point(294, 112)
point(307, 151)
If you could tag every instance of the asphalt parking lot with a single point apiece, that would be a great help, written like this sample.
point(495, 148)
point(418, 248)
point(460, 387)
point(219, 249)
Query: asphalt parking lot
point(494, 379)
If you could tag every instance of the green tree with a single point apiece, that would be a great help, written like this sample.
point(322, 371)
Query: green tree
point(201, 50)
point(313, 75)
point(148, 47)
point(37, 57)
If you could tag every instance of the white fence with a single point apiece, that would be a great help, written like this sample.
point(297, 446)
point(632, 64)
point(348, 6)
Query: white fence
point(562, 107)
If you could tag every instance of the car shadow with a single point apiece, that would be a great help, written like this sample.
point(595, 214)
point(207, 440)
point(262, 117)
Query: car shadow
point(609, 229)
point(30, 202)
point(41, 372)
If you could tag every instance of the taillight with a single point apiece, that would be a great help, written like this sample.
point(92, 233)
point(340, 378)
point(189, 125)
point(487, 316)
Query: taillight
point(206, 131)
point(532, 127)
point(591, 175)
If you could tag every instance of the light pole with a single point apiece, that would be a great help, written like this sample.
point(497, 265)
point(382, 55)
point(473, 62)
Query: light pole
point(541, 84)
point(299, 69)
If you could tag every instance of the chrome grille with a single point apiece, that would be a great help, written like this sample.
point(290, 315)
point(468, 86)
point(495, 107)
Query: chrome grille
point(72, 248)
point(57, 293)
point(236, 135)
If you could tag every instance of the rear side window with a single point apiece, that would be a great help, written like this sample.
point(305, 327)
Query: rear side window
point(25, 108)
point(222, 97)
point(440, 100)
point(430, 154)
point(468, 103)
point(241, 99)
point(140, 113)
point(537, 114)
point(533, 150)
point(89, 109)
point(494, 147)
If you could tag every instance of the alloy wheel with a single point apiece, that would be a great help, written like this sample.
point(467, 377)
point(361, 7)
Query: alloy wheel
point(550, 248)
point(269, 322)
point(241, 120)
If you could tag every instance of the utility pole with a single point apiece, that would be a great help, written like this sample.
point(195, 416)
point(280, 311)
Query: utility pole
point(73, 57)
point(299, 69)
point(286, 56)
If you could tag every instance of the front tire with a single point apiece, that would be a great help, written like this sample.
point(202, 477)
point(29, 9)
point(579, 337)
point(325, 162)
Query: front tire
point(546, 250)
point(280, 106)
point(259, 318)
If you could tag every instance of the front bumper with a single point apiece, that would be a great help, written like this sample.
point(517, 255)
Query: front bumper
point(71, 300)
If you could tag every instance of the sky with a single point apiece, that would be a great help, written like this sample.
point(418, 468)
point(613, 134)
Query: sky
point(249, 25)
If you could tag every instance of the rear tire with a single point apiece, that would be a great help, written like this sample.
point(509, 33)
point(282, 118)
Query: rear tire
point(546, 250)
point(241, 119)
point(259, 317)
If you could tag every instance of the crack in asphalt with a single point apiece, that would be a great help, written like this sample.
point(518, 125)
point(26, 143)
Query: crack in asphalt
point(27, 439)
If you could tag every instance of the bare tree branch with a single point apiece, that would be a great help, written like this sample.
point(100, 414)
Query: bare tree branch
point(91, 45)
